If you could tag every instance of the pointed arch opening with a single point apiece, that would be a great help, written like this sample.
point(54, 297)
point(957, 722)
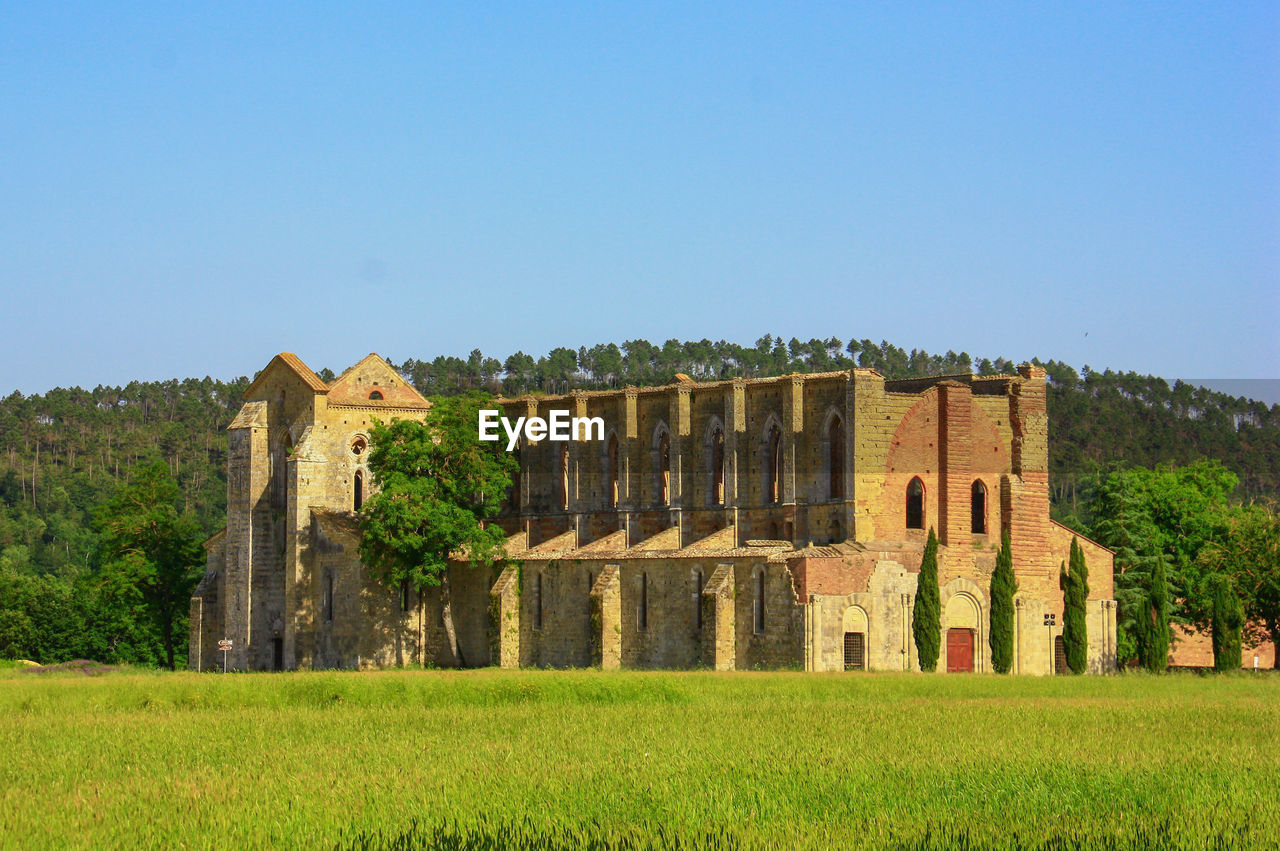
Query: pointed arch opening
point(611, 471)
point(642, 610)
point(835, 458)
point(715, 453)
point(563, 488)
point(978, 508)
point(699, 582)
point(357, 490)
point(664, 467)
point(915, 504)
point(757, 602)
point(773, 464)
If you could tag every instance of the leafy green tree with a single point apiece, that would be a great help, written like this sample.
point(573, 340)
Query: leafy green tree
point(438, 486)
point(149, 550)
point(926, 615)
point(1003, 586)
point(1250, 555)
point(1124, 524)
point(1228, 619)
point(1075, 634)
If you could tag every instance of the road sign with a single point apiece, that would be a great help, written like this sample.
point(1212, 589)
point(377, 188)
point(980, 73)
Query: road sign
point(224, 645)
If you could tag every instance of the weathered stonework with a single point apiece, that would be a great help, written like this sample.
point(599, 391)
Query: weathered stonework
point(729, 525)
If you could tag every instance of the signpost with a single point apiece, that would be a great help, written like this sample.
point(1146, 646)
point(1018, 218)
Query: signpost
point(224, 645)
point(1051, 620)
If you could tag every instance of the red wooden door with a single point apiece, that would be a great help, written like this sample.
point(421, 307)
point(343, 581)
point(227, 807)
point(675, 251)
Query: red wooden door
point(959, 650)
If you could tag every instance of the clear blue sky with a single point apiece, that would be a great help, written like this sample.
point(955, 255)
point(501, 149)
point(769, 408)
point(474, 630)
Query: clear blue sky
point(187, 191)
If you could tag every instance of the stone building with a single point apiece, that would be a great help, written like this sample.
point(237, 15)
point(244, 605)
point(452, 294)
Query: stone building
point(775, 522)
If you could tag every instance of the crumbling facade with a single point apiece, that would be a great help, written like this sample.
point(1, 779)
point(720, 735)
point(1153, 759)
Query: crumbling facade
point(757, 523)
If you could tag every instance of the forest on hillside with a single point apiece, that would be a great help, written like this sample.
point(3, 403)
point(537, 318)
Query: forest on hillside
point(67, 451)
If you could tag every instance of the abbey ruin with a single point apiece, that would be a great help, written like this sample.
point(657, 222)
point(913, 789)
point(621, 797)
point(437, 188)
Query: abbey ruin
point(749, 523)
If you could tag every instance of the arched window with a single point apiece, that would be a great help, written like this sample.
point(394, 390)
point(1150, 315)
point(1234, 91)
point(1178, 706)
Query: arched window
point(915, 504)
point(978, 508)
point(698, 583)
point(537, 601)
point(564, 478)
point(664, 468)
point(358, 490)
point(375, 396)
point(611, 473)
point(835, 531)
point(773, 464)
point(717, 466)
point(513, 493)
point(328, 597)
point(757, 607)
point(642, 611)
point(404, 596)
point(835, 458)
point(280, 472)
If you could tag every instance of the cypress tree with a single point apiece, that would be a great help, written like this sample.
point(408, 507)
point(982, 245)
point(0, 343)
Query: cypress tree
point(1228, 618)
point(1075, 634)
point(1003, 587)
point(1155, 647)
point(926, 615)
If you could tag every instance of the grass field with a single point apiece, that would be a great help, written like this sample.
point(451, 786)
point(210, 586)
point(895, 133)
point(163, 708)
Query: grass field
point(492, 759)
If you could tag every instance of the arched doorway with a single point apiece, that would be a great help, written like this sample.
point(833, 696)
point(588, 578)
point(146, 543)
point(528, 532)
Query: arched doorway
point(855, 639)
point(962, 621)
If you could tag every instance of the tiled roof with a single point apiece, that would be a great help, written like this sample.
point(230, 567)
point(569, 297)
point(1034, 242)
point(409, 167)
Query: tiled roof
point(299, 368)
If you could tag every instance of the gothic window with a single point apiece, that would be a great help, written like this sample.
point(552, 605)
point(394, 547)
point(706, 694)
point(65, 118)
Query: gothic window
point(404, 596)
point(537, 601)
point(915, 504)
point(978, 508)
point(611, 474)
point(717, 466)
point(357, 490)
point(698, 584)
point(328, 597)
point(642, 611)
point(757, 604)
point(280, 472)
point(773, 464)
point(513, 493)
point(835, 458)
point(359, 445)
point(664, 468)
point(375, 396)
point(564, 478)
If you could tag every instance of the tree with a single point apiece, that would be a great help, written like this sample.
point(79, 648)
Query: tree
point(1250, 556)
point(1155, 622)
point(1228, 618)
point(926, 616)
point(1075, 634)
point(149, 550)
point(438, 486)
point(1003, 586)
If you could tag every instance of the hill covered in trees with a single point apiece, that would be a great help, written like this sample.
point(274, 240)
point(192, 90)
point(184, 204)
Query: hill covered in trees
point(66, 451)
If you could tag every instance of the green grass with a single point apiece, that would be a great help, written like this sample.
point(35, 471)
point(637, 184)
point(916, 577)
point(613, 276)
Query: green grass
point(491, 759)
